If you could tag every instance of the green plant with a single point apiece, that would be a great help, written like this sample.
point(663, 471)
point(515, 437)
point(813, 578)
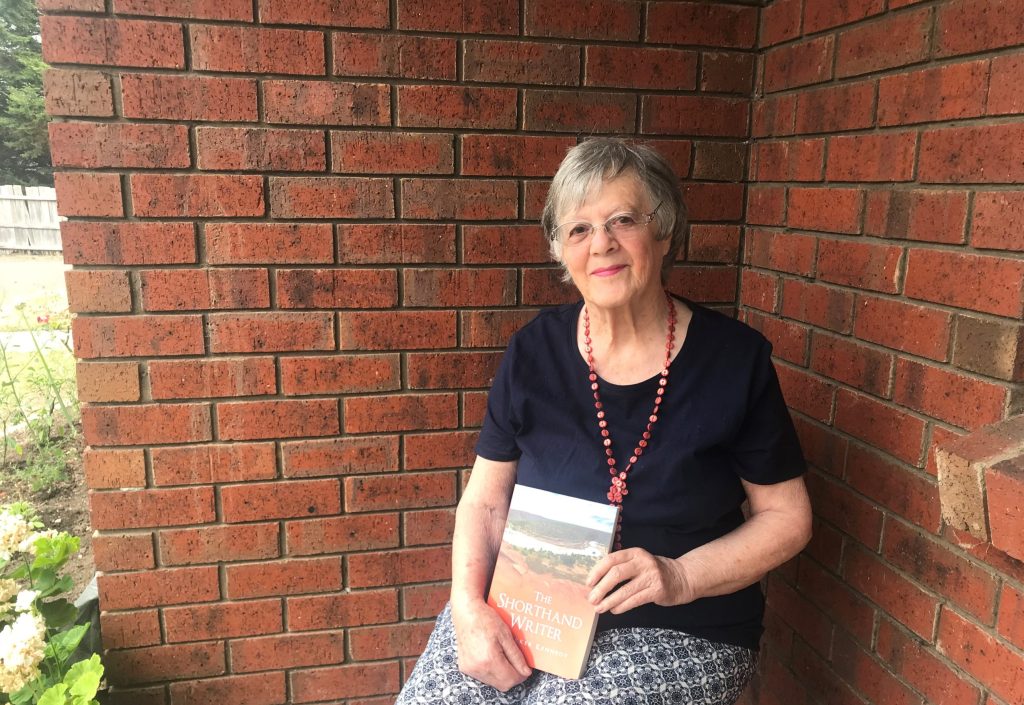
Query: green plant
point(39, 633)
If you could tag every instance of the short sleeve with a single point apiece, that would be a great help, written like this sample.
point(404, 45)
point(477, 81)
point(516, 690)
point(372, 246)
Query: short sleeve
point(497, 439)
point(766, 449)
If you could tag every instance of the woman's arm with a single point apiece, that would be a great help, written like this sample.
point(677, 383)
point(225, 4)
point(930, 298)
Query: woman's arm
point(779, 527)
point(487, 649)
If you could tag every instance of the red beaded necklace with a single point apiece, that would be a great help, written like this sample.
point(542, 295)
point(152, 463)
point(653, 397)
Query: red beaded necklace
point(618, 488)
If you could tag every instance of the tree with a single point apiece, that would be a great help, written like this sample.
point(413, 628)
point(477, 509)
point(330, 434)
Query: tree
point(24, 147)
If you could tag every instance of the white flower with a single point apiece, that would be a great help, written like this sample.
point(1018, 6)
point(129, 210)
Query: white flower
point(13, 531)
point(25, 600)
point(8, 589)
point(21, 651)
point(28, 544)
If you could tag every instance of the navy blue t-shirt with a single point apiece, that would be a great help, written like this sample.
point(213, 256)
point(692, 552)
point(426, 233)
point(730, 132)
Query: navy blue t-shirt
point(723, 418)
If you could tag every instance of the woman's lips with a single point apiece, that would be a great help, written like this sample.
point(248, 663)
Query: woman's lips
point(608, 271)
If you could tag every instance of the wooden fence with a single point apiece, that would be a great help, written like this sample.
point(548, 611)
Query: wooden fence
point(28, 219)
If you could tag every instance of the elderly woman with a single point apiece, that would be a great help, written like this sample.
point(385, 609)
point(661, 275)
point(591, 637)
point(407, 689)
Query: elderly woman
point(639, 398)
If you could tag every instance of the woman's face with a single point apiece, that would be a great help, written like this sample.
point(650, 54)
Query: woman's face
point(612, 272)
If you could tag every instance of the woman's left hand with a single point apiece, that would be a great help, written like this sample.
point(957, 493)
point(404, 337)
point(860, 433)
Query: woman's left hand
point(641, 577)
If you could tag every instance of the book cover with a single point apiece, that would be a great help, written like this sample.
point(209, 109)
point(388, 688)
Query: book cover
point(550, 543)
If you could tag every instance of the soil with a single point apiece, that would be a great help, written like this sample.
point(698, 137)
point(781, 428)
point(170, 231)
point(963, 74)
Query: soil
point(64, 507)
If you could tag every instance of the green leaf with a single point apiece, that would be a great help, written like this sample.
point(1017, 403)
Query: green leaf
point(54, 695)
point(62, 585)
point(84, 678)
point(63, 644)
point(58, 613)
point(23, 696)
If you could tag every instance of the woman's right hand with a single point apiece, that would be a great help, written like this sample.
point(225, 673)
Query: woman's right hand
point(487, 650)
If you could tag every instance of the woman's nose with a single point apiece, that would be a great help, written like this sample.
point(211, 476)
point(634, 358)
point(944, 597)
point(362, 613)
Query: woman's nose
point(601, 241)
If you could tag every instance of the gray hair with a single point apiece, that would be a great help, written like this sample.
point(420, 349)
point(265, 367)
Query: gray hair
point(602, 159)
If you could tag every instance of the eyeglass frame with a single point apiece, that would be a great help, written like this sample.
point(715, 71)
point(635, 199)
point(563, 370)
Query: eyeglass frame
point(643, 220)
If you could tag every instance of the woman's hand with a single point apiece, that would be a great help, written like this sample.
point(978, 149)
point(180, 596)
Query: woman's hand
point(487, 649)
point(644, 578)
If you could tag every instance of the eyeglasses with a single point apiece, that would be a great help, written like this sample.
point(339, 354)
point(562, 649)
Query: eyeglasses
point(620, 226)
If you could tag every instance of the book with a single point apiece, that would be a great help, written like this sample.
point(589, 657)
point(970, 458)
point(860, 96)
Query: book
point(550, 543)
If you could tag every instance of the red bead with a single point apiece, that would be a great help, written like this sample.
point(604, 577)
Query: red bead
point(647, 435)
point(624, 491)
point(612, 471)
point(607, 442)
point(637, 452)
point(593, 377)
point(642, 444)
point(622, 476)
point(662, 381)
point(654, 418)
point(598, 405)
point(608, 452)
point(602, 423)
point(594, 386)
point(600, 414)
point(611, 461)
point(605, 433)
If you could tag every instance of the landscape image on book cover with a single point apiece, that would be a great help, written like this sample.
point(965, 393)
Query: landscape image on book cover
point(550, 543)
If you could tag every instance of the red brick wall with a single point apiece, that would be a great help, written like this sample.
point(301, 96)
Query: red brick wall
point(302, 232)
point(884, 256)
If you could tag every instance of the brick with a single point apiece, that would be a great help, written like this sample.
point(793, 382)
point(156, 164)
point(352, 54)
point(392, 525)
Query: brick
point(604, 19)
point(806, 393)
point(155, 664)
point(264, 501)
point(391, 641)
point(716, 161)
point(727, 72)
point(253, 149)
point(494, 61)
point(156, 695)
point(784, 252)
point(98, 291)
point(921, 331)
point(162, 587)
point(269, 243)
point(202, 289)
point(200, 195)
point(250, 420)
point(337, 288)
point(780, 21)
point(393, 56)
point(204, 379)
point(354, 680)
point(759, 290)
point(954, 398)
point(287, 651)
point(227, 619)
point(699, 23)
point(399, 491)
point(399, 243)
point(461, 199)
point(888, 156)
point(713, 243)
point(706, 201)
point(127, 630)
point(135, 43)
point(77, 93)
point(192, 9)
point(799, 613)
point(848, 511)
point(340, 456)
point(343, 610)
point(410, 565)
point(998, 220)
point(504, 244)
point(113, 469)
point(981, 655)
point(287, 577)
point(326, 103)
point(144, 424)
point(789, 340)
point(114, 552)
point(271, 332)
point(640, 67)
point(458, 287)
point(413, 412)
point(774, 116)
point(835, 108)
point(1010, 624)
point(339, 374)
point(419, 601)
point(818, 17)
point(967, 585)
point(330, 197)
point(258, 689)
point(908, 494)
point(128, 243)
point(701, 284)
point(89, 195)
point(513, 155)
point(694, 115)
point(824, 449)
point(408, 330)
point(859, 366)
point(896, 40)
point(474, 406)
point(241, 49)
point(1004, 487)
point(853, 663)
point(491, 329)
point(392, 153)
point(428, 527)
point(130, 336)
point(534, 194)
point(95, 145)
point(578, 111)
point(976, 282)
point(800, 64)
point(457, 107)
point(928, 216)
point(860, 264)
point(968, 26)
point(922, 668)
point(73, 5)
point(341, 534)
point(981, 154)
point(950, 92)
point(766, 205)
point(146, 508)
point(789, 160)
point(906, 602)
point(217, 544)
point(1005, 95)
point(992, 348)
point(465, 17)
point(193, 98)
point(834, 210)
point(329, 13)
point(206, 464)
point(837, 600)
